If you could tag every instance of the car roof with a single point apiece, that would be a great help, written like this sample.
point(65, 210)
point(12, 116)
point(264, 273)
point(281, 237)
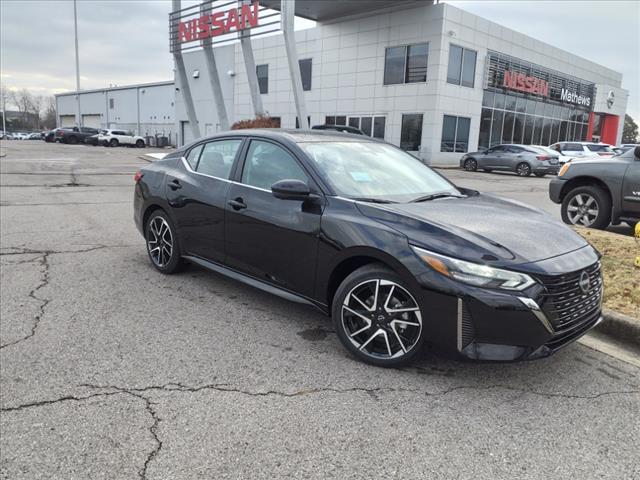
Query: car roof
point(297, 136)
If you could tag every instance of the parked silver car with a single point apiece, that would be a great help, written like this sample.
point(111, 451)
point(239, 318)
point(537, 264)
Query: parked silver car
point(521, 159)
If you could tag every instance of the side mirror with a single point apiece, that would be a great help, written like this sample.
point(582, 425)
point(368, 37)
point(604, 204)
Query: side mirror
point(636, 152)
point(291, 190)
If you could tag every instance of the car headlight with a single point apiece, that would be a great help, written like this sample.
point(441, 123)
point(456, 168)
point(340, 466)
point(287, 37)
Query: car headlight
point(564, 168)
point(474, 273)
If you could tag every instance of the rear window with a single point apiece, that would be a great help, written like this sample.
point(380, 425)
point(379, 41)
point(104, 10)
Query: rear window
point(600, 148)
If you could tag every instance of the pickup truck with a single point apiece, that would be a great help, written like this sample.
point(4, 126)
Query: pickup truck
point(600, 191)
point(74, 135)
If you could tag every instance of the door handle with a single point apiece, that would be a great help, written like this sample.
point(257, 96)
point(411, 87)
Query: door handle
point(237, 204)
point(174, 184)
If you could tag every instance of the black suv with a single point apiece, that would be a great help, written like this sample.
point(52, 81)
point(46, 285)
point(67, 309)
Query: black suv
point(74, 135)
point(596, 193)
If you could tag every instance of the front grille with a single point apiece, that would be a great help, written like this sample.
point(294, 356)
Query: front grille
point(565, 304)
point(467, 332)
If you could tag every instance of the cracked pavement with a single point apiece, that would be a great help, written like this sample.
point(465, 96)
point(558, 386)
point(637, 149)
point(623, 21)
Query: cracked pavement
point(109, 369)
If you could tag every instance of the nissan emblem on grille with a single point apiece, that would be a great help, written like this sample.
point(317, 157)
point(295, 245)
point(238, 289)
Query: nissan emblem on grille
point(584, 282)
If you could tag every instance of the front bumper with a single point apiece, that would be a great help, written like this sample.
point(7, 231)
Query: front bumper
point(492, 325)
point(555, 189)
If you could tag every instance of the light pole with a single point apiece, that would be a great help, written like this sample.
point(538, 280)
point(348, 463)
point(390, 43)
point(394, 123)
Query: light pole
point(75, 27)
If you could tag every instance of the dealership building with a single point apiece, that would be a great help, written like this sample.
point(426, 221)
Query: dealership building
point(429, 77)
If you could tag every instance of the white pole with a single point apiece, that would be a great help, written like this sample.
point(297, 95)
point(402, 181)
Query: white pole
point(75, 27)
point(4, 113)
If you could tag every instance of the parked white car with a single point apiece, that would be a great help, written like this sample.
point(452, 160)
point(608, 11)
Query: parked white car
point(20, 136)
point(562, 158)
point(583, 149)
point(113, 138)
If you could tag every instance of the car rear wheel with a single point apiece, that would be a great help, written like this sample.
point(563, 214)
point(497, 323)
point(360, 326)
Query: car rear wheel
point(113, 142)
point(140, 143)
point(377, 317)
point(162, 243)
point(470, 165)
point(587, 206)
point(523, 169)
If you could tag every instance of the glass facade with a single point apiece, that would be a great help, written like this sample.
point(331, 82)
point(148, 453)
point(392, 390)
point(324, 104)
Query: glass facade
point(511, 114)
point(504, 120)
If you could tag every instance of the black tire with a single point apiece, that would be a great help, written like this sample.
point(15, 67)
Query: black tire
point(470, 165)
point(105, 143)
point(539, 175)
point(140, 143)
point(170, 259)
point(114, 142)
point(601, 219)
point(523, 169)
point(379, 341)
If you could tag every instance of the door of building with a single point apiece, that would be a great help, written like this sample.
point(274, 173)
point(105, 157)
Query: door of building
point(411, 133)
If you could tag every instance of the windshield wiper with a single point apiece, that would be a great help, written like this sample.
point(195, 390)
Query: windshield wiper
point(372, 200)
point(433, 196)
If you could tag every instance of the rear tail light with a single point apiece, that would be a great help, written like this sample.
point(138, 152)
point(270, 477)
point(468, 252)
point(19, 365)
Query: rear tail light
point(543, 157)
point(138, 176)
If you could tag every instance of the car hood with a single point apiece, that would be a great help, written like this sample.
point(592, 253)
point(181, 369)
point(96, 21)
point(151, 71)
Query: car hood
point(482, 228)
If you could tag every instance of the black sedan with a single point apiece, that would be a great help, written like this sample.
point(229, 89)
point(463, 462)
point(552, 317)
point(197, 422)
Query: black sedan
point(394, 252)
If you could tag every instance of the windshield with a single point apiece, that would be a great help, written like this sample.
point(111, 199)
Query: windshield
point(600, 148)
point(375, 170)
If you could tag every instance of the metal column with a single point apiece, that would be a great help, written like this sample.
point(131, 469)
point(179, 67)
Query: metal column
point(288, 9)
point(214, 77)
point(250, 67)
point(184, 83)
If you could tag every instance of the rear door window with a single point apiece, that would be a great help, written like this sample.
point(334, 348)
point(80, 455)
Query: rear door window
point(217, 158)
point(193, 156)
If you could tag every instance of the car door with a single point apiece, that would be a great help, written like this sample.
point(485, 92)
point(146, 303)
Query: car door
point(631, 189)
point(196, 191)
point(499, 158)
point(488, 159)
point(272, 239)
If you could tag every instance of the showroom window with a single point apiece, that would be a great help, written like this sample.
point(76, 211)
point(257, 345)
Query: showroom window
point(455, 134)
point(411, 132)
point(262, 71)
point(512, 118)
point(462, 66)
point(305, 73)
point(371, 126)
point(406, 64)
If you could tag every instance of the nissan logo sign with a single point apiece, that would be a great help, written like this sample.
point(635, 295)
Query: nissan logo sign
point(584, 282)
point(610, 98)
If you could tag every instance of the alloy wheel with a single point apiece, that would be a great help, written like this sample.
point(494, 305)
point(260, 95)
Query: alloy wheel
point(160, 242)
point(523, 170)
point(470, 165)
point(381, 319)
point(583, 209)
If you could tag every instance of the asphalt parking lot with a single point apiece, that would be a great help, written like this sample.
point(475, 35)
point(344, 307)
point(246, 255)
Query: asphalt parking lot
point(111, 370)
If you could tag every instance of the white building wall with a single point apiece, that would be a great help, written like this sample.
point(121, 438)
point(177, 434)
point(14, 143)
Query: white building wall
point(145, 109)
point(348, 68)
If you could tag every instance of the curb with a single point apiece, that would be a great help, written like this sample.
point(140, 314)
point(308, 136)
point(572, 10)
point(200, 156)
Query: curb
point(621, 327)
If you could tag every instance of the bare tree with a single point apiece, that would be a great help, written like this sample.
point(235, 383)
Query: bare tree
point(49, 112)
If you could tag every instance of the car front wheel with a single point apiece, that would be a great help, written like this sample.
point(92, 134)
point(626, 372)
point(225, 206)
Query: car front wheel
point(377, 318)
point(587, 206)
point(113, 142)
point(163, 247)
point(470, 165)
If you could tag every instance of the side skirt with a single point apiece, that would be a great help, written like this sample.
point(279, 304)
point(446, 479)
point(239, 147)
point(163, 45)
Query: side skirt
point(259, 284)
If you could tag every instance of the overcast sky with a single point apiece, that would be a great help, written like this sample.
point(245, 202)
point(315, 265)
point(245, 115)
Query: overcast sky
point(123, 42)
